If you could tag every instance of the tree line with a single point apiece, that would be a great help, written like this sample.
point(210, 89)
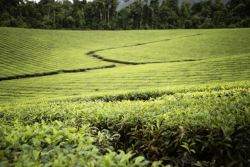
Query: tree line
point(102, 14)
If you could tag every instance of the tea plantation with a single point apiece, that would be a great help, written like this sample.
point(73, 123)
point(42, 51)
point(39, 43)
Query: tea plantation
point(124, 98)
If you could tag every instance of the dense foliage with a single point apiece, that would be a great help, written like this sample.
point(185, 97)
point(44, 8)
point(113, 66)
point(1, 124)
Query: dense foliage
point(203, 126)
point(153, 114)
point(184, 59)
point(101, 14)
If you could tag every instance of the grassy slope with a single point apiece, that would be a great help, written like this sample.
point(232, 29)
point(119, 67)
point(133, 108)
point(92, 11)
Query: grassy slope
point(127, 78)
point(180, 123)
point(59, 47)
point(24, 51)
point(208, 44)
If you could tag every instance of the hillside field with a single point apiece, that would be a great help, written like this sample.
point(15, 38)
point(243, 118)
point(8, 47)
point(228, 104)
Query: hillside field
point(124, 98)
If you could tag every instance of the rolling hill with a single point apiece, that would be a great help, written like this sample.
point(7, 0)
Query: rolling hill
point(124, 98)
point(138, 59)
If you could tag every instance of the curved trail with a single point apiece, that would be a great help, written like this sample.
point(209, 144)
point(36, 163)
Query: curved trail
point(94, 54)
point(53, 73)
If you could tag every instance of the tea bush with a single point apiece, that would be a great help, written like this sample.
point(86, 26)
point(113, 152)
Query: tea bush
point(208, 127)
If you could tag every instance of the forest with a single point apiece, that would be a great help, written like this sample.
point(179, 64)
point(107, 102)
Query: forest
point(84, 83)
point(102, 14)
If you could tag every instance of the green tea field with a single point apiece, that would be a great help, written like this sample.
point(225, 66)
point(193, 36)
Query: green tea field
point(125, 98)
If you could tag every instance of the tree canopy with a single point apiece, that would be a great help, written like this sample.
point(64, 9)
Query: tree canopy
point(102, 14)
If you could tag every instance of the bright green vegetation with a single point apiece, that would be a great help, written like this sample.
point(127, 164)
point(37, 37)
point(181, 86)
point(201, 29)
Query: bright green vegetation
point(191, 109)
point(127, 78)
point(202, 44)
point(24, 51)
point(206, 126)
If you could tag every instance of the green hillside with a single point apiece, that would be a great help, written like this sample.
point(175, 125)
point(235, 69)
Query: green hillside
point(127, 78)
point(124, 98)
point(27, 51)
point(218, 56)
point(199, 44)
